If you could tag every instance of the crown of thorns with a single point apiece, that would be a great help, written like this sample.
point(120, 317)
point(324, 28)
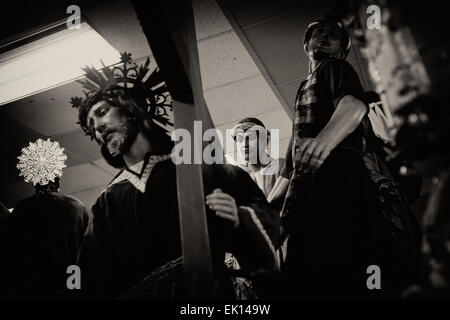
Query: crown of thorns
point(127, 76)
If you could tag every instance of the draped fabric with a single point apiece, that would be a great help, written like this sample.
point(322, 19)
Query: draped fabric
point(136, 231)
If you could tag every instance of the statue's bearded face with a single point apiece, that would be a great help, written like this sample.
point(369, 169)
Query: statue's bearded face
point(112, 128)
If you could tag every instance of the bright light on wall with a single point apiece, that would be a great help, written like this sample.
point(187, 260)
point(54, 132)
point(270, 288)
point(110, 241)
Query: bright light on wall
point(52, 61)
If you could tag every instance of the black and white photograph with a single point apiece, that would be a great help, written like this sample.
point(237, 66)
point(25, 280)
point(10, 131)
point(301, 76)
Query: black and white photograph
point(224, 156)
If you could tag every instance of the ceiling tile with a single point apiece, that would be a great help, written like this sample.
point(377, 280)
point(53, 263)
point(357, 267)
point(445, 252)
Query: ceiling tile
point(84, 176)
point(279, 46)
point(277, 120)
point(240, 99)
point(117, 23)
point(73, 159)
point(48, 112)
point(223, 59)
point(289, 91)
point(279, 43)
point(209, 19)
point(250, 12)
point(89, 196)
point(101, 163)
point(80, 144)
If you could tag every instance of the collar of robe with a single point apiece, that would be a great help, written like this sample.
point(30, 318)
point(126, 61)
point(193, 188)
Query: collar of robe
point(144, 167)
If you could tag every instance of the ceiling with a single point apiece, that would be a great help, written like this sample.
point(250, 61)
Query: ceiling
point(48, 114)
point(251, 64)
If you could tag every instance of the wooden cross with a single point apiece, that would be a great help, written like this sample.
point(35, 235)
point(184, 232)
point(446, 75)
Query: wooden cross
point(170, 29)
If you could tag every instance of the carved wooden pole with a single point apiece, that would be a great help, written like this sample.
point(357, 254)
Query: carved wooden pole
point(170, 29)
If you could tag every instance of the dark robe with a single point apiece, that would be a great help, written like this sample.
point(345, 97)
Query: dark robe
point(135, 228)
point(42, 237)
